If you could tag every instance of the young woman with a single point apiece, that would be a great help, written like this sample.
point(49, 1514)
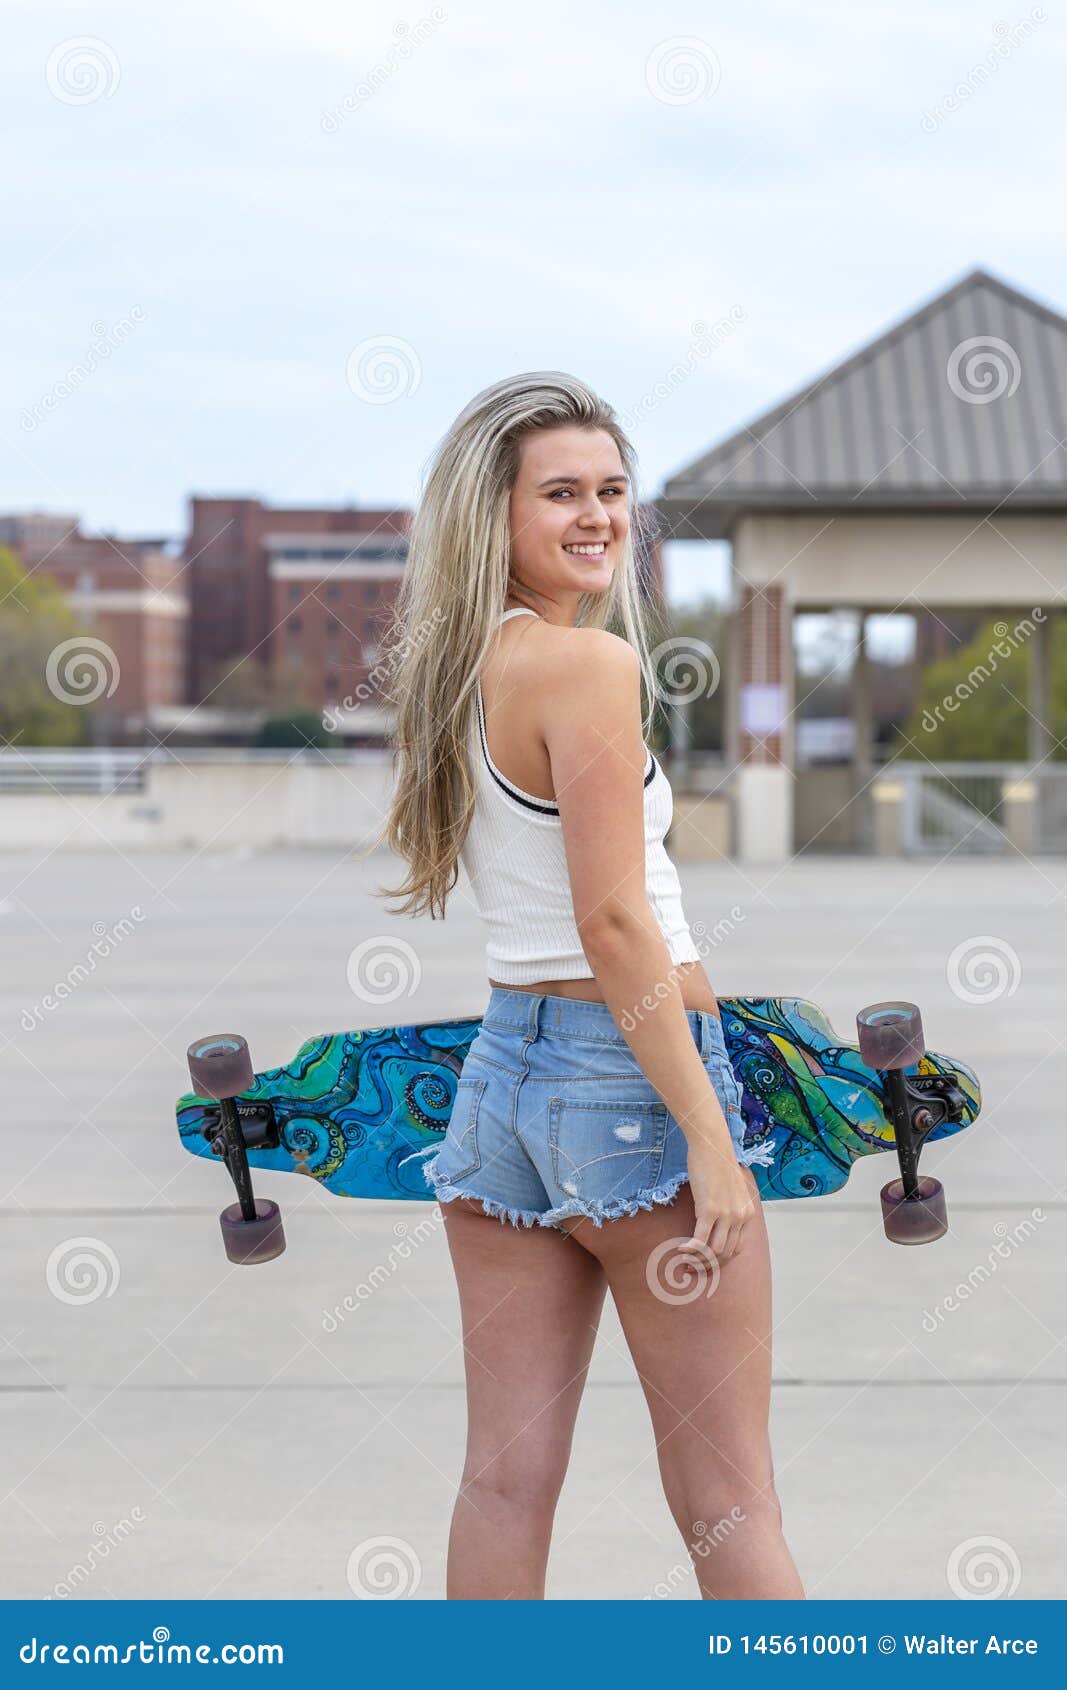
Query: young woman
point(596, 1138)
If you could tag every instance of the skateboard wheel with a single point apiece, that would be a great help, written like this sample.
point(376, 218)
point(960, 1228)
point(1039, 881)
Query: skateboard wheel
point(890, 1035)
point(914, 1220)
point(220, 1066)
point(253, 1241)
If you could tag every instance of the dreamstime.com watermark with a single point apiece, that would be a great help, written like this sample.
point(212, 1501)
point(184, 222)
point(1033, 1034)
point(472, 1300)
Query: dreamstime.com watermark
point(105, 1539)
point(705, 1540)
point(333, 719)
point(103, 344)
point(1007, 640)
point(1009, 37)
point(408, 1240)
point(983, 968)
point(107, 940)
point(409, 37)
point(382, 968)
point(82, 1270)
point(726, 925)
point(983, 1569)
point(157, 1650)
point(706, 340)
point(1009, 1239)
point(81, 670)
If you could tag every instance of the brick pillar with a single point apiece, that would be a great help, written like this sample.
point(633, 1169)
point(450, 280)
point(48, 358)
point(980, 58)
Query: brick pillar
point(763, 670)
point(764, 737)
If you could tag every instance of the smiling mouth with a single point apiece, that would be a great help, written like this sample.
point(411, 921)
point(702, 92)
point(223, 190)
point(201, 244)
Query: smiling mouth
point(587, 548)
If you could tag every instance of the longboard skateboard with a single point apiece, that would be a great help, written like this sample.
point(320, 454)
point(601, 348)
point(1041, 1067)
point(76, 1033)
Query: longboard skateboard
point(355, 1110)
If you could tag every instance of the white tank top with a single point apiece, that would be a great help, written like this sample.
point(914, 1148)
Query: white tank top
point(515, 859)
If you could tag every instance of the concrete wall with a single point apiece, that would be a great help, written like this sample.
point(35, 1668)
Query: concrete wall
point(216, 804)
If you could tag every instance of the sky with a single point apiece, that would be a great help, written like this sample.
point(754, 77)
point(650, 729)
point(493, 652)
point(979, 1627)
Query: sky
point(282, 245)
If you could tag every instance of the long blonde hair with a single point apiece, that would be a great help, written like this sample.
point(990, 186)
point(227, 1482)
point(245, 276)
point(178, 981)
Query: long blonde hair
point(450, 604)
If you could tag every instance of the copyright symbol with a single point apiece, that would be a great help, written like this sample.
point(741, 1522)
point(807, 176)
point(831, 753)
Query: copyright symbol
point(886, 1645)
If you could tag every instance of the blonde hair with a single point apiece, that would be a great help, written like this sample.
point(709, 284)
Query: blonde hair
point(450, 604)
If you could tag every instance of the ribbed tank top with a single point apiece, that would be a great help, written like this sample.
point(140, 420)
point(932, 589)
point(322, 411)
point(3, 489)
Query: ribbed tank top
point(515, 859)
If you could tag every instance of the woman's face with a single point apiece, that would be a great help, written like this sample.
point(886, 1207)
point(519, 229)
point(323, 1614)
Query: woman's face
point(569, 514)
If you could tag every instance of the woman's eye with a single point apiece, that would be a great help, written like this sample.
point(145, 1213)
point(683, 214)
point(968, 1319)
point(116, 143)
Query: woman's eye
point(616, 490)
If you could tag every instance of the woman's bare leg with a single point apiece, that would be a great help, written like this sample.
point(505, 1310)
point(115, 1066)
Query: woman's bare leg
point(705, 1365)
point(530, 1300)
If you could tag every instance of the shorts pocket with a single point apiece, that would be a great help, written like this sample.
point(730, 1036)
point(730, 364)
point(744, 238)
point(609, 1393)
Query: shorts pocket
point(460, 1155)
point(602, 1151)
point(728, 1091)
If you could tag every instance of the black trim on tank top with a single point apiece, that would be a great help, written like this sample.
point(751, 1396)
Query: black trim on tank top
point(539, 806)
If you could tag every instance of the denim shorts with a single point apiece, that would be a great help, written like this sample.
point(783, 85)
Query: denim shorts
point(554, 1118)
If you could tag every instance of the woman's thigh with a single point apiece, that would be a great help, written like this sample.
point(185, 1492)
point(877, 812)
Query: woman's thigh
point(701, 1343)
point(530, 1301)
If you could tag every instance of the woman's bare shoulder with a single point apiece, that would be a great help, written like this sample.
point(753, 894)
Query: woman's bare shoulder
point(583, 670)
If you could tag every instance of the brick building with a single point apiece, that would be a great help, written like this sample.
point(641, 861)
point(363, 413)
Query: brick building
point(305, 593)
point(128, 594)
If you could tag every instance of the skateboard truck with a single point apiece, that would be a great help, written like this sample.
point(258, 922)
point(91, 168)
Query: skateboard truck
point(890, 1040)
point(221, 1068)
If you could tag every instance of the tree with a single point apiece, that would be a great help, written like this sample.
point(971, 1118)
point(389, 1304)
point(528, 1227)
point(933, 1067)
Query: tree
point(973, 704)
point(34, 619)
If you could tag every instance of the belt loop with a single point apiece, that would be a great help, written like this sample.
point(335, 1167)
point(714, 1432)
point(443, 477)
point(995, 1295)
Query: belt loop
point(705, 1034)
point(536, 1001)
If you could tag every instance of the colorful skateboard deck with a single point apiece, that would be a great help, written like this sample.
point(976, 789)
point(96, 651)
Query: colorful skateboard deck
point(354, 1110)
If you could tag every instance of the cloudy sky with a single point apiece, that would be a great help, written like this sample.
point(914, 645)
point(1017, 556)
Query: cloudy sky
point(282, 244)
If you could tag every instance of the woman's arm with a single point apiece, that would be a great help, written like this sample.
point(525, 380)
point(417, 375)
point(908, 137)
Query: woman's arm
point(590, 716)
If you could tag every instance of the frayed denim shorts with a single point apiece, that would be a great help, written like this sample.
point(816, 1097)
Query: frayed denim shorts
point(554, 1117)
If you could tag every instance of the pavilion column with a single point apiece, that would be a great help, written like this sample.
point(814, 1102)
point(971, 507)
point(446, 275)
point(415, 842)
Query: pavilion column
point(1039, 686)
point(862, 760)
point(761, 724)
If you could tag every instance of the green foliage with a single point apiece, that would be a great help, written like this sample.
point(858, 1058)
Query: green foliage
point(702, 628)
point(973, 704)
point(298, 727)
point(34, 619)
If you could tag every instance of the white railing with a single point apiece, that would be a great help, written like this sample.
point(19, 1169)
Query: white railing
point(103, 769)
point(981, 808)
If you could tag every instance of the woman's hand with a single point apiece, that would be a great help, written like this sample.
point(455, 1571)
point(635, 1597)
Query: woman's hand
point(723, 1200)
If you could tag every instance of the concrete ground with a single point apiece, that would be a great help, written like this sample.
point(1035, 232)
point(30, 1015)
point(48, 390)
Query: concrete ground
point(175, 1426)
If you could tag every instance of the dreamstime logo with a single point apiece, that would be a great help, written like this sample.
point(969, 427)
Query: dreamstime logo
point(382, 369)
point(983, 969)
point(684, 656)
point(408, 1240)
point(409, 36)
point(82, 70)
point(81, 670)
point(705, 1539)
point(681, 70)
point(383, 672)
point(383, 1569)
point(106, 940)
point(982, 1568)
point(105, 340)
point(82, 1270)
point(674, 1278)
point(725, 925)
point(1007, 640)
point(1009, 1240)
point(105, 1539)
point(381, 969)
point(982, 369)
point(1009, 37)
point(706, 340)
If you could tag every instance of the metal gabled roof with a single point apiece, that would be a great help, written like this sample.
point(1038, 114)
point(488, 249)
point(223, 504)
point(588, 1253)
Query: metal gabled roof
point(963, 403)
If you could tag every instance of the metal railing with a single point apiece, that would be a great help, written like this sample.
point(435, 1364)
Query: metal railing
point(104, 769)
point(978, 808)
